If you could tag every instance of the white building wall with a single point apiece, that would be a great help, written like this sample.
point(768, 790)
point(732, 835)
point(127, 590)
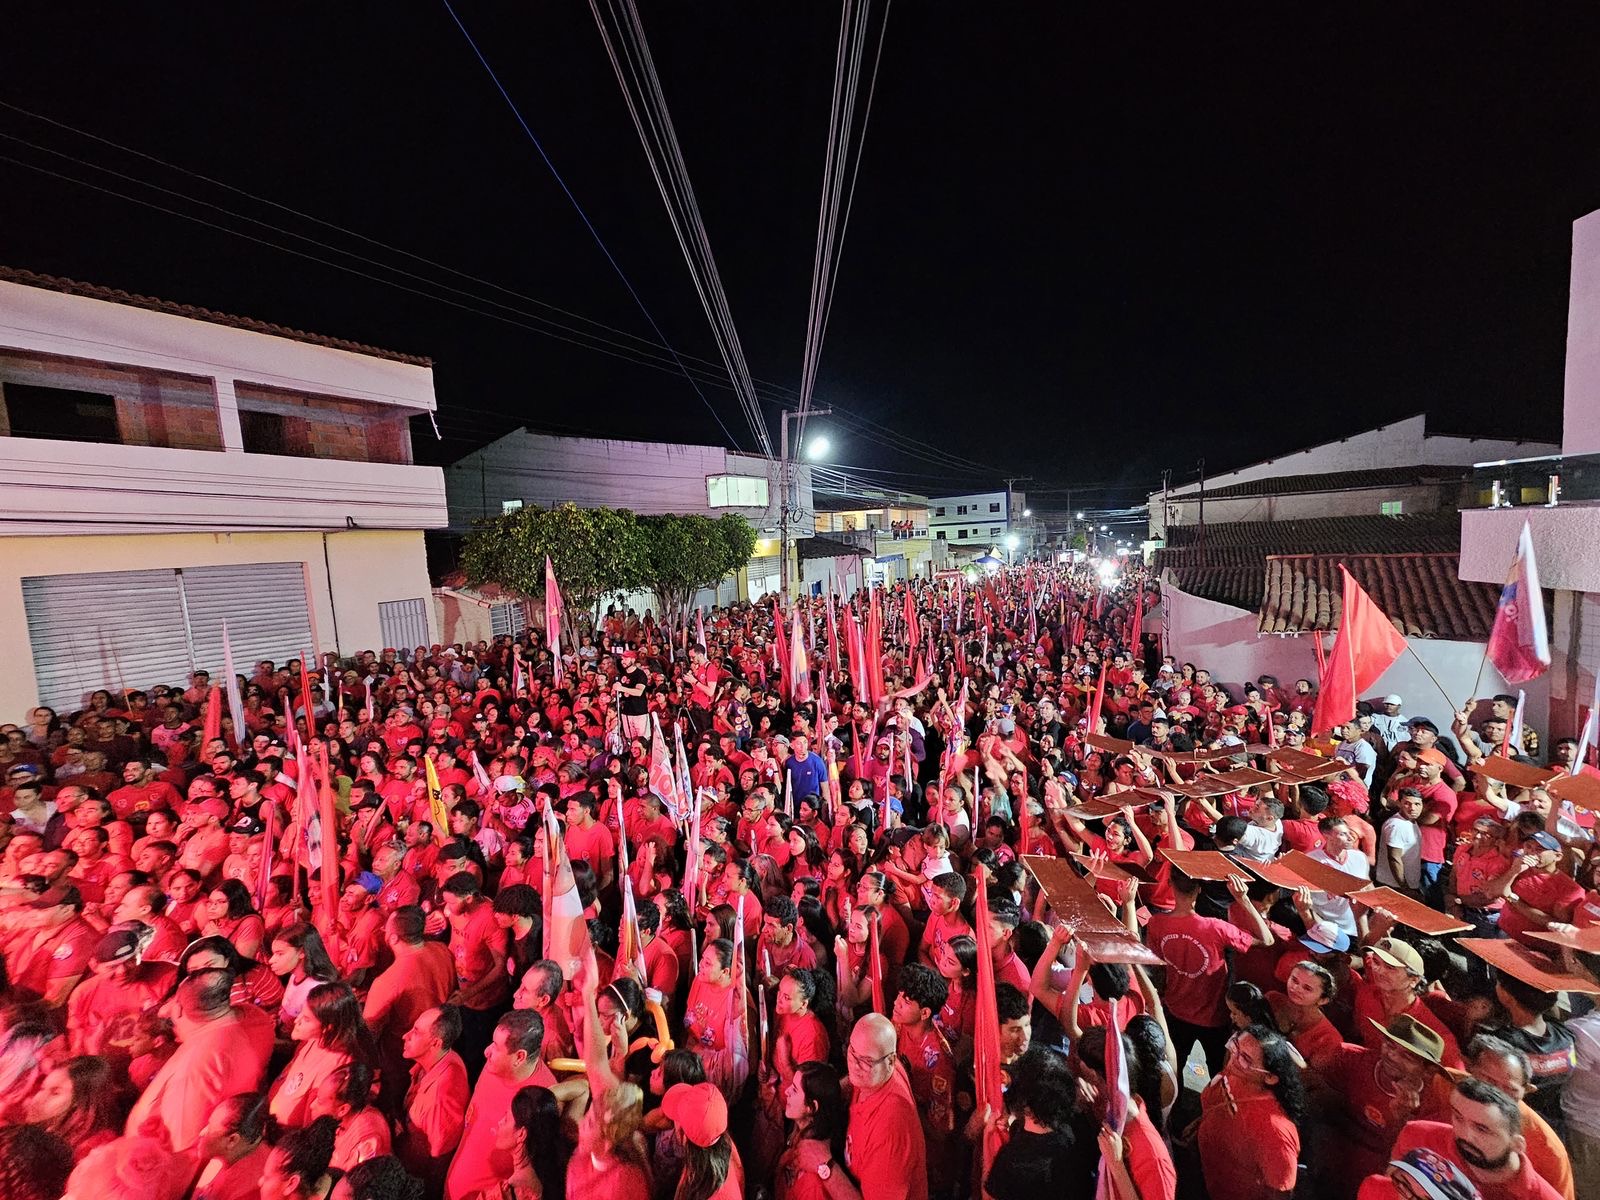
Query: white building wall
point(644, 477)
point(1581, 404)
point(1356, 503)
point(349, 573)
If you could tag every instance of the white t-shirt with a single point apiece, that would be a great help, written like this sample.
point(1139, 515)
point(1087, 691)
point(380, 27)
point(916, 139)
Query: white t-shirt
point(1402, 835)
point(1336, 909)
point(1259, 844)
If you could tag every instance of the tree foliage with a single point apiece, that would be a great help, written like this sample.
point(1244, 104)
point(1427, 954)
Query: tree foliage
point(599, 551)
point(682, 554)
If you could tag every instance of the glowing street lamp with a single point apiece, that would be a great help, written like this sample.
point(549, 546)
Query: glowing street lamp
point(820, 448)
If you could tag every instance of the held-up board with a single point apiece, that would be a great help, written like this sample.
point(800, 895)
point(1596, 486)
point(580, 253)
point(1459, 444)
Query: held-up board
point(1586, 939)
point(1295, 869)
point(1102, 807)
point(1074, 899)
point(1202, 864)
point(1410, 912)
point(1513, 773)
point(1582, 790)
point(1533, 968)
point(1111, 745)
point(1296, 766)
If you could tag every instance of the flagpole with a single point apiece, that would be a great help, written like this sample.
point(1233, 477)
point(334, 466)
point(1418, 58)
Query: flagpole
point(1434, 677)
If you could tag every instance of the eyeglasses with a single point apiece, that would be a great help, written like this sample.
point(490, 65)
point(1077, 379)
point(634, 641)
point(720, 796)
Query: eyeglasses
point(866, 1064)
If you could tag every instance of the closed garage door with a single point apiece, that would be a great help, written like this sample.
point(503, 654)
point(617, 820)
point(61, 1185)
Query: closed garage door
point(138, 628)
point(762, 576)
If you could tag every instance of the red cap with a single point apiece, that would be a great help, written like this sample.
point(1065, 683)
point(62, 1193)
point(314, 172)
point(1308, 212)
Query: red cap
point(698, 1109)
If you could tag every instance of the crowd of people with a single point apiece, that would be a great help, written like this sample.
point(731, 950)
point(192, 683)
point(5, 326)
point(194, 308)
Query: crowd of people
point(752, 907)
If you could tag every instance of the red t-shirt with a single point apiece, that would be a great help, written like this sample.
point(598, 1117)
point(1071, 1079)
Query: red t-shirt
point(1439, 1137)
point(473, 945)
point(593, 845)
point(1194, 949)
point(1251, 1154)
point(884, 1148)
point(1548, 891)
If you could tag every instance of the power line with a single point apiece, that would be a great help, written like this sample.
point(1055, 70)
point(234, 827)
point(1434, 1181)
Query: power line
point(588, 224)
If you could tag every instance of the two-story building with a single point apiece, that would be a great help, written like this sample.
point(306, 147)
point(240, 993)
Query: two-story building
point(889, 528)
point(525, 467)
point(164, 468)
point(973, 524)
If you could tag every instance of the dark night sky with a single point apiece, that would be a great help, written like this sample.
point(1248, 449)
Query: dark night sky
point(1144, 236)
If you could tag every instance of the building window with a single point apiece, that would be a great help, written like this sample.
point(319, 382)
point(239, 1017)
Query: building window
point(939, 536)
point(736, 491)
point(994, 506)
point(961, 535)
point(301, 425)
point(939, 512)
point(994, 531)
point(509, 506)
point(63, 414)
point(1390, 508)
point(961, 510)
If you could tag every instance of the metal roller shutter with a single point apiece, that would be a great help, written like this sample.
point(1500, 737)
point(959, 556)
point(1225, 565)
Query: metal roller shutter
point(265, 606)
point(404, 624)
point(104, 629)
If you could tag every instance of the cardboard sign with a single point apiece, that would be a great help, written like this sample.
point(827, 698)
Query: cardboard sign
point(1102, 807)
point(1202, 864)
point(1241, 778)
point(1582, 790)
point(1074, 900)
point(1202, 787)
point(1533, 968)
point(1328, 769)
point(1512, 773)
point(1410, 912)
point(1586, 939)
point(1295, 870)
point(1277, 874)
point(1299, 760)
point(1111, 745)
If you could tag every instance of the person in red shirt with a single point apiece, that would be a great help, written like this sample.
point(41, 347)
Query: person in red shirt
point(1194, 949)
point(1004, 917)
point(814, 1102)
point(1249, 1141)
point(142, 791)
point(353, 934)
point(512, 1061)
point(436, 1097)
point(945, 894)
point(480, 948)
point(1542, 893)
point(588, 840)
point(700, 1115)
point(884, 1145)
point(50, 947)
point(103, 1010)
point(929, 1064)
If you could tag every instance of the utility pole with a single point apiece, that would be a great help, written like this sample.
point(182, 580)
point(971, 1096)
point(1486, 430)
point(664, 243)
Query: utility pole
point(786, 500)
point(1011, 501)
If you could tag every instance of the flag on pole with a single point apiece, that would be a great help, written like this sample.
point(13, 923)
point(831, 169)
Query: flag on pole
point(330, 831)
point(661, 779)
point(479, 775)
point(1119, 1095)
point(799, 664)
point(700, 627)
point(268, 845)
point(553, 608)
point(1136, 634)
point(987, 1078)
point(213, 727)
point(630, 949)
point(738, 1032)
point(1587, 739)
point(875, 966)
point(566, 934)
point(436, 809)
point(1513, 742)
point(231, 682)
point(782, 659)
point(833, 639)
point(1519, 644)
point(1364, 648)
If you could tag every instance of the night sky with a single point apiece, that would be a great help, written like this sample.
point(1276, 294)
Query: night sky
point(1084, 248)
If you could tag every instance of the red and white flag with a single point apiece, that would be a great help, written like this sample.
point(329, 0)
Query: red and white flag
point(1119, 1095)
point(738, 1031)
point(553, 607)
point(1519, 644)
point(663, 782)
point(566, 934)
point(799, 664)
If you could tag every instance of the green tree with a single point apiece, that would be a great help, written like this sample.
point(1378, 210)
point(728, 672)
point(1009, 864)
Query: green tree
point(683, 553)
point(595, 551)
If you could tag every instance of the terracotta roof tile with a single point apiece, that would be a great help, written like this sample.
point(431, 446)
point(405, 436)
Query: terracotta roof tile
point(1421, 593)
point(73, 287)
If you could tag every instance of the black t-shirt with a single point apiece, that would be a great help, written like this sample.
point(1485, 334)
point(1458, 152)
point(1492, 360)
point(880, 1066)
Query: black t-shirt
point(1034, 1165)
point(635, 706)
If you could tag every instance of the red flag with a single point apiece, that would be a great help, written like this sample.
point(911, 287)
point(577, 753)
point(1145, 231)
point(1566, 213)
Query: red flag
point(213, 726)
point(738, 1031)
point(1519, 644)
point(700, 627)
point(1099, 700)
point(1135, 637)
point(874, 648)
point(987, 1079)
point(330, 835)
point(875, 966)
point(1364, 648)
point(780, 652)
point(833, 639)
point(662, 781)
point(553, 608)
point(1119, 1096)
point(913, 629)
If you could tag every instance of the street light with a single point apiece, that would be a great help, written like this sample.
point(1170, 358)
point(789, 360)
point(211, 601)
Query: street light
point(1078, 517)
point(1011, 542)
point(1027, 512)
point(819, 448)
point(787, 505)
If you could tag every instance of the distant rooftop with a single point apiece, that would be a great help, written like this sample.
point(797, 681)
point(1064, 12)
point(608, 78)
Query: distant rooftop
point(73, 287)
point(1339, 481)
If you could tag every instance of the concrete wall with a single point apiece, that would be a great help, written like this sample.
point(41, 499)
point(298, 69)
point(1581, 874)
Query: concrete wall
point(645, 477)
point(1224, 640)
point(1397, 444)
point(1361, 502)
point(1581, 411)
point(358, 569)
point(1566, 544)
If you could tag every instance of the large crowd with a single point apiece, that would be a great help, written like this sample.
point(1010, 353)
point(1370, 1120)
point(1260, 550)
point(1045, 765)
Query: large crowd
point(959, 888)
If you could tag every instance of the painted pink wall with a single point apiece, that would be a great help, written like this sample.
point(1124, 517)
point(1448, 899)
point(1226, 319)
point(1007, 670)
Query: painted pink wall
point(1581, 432)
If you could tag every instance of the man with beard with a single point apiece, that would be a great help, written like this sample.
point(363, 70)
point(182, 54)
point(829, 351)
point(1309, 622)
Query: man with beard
point(1484, 1138)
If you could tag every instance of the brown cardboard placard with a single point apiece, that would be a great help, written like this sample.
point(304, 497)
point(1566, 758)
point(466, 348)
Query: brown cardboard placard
point(1534, 969)
point(1292, 760)
point(1583, 790)
point(1246, 777)
point(1295, 869)
point(1074, 899)
point(1327, 768)
point(1410, 912)
point(1202, 864)
point(1277, 874)
point(1102, 807)
point(1513, 773)
point(1586, 939)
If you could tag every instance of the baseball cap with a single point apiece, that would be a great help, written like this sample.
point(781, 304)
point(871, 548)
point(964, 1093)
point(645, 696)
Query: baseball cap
point(370, 881)
point(214, 806)
point(117, 945)
point(1430, 755)
point(1435, 1176)
point(246, 824)
point(510, 783)
point(1325, 938)
point(1397, 954)
point(698, 1109)
point(1392, 699)
point(1545, 841)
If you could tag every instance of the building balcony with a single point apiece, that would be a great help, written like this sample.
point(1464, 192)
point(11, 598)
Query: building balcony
point(50, 487)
